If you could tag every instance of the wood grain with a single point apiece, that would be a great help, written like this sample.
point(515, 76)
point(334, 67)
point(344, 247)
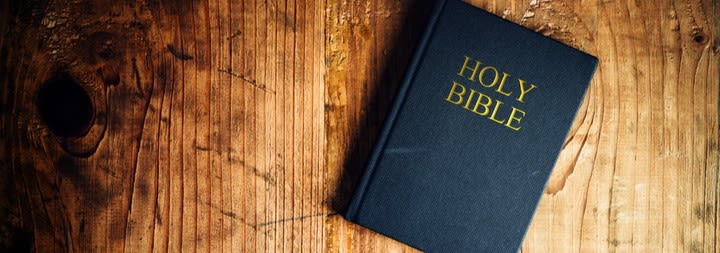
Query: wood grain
point(212, 140)
point(243, 126)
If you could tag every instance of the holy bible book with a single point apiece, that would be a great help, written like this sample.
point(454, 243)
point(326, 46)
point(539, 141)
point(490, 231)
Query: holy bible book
point(473, 134)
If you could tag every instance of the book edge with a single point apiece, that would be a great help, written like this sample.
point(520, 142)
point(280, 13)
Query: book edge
point(359, 195)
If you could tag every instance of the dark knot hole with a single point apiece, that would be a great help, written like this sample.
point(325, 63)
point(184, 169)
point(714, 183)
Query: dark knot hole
point(65, 106)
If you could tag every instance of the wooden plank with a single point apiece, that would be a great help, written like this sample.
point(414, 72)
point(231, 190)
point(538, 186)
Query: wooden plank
point(243, 126)
point(212, 138)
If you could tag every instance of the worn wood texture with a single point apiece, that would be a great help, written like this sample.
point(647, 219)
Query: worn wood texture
point(242, 126)
point(209, 130)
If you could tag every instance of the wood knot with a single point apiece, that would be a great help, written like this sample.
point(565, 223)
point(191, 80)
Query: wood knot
point(65, 106)
point(699, 38)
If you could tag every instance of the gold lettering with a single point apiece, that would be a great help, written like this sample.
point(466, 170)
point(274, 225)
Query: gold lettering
point(469, 98)
point(474, 69)
point(459, 95)
point(524, 91)
point(485, 105)
point(482, 75)
point(502, 84)
point(497, 106)
point(514, 118)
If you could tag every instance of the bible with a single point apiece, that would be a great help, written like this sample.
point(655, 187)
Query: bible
point(473, 134)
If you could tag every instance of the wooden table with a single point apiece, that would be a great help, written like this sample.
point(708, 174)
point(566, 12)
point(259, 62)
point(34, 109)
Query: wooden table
point(242, 126)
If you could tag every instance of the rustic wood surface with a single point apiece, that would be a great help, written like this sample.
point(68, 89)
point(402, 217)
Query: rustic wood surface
point(242, 126)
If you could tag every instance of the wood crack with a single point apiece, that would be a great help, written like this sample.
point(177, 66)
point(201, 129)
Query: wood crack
point(253, 83)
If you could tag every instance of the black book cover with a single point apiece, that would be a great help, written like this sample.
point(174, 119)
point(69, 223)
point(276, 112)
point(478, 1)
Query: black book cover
point(473, 134)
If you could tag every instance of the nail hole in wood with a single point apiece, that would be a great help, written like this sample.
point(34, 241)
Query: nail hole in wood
point(65, 106)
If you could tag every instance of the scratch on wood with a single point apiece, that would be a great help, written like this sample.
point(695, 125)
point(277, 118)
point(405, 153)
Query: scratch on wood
point(136, 72)
point(158, 216)
point(234, 35)
point(202, 148)
point(254, 83)
point(178, 54)
point(265, 176)
point(232, 215)
point(325, 214)
point(229, 214)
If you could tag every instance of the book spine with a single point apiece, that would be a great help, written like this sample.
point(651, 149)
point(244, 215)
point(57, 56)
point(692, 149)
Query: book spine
point(357, 200)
